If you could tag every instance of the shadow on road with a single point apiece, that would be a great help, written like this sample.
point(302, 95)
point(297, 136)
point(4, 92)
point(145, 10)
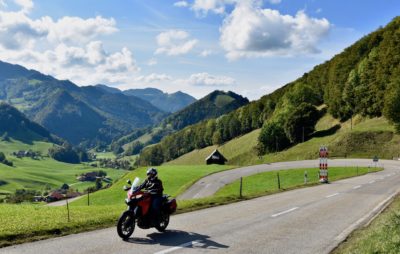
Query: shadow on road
point(177, 238)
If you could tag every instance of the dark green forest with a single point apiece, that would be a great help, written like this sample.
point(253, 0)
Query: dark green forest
point(364, 79)
point(213, 105)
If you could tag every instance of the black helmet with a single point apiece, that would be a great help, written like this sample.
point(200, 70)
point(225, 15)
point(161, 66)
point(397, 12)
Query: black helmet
point(152, 173)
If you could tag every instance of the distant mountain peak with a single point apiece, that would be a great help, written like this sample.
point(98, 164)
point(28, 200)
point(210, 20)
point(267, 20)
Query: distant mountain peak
point(167, 102)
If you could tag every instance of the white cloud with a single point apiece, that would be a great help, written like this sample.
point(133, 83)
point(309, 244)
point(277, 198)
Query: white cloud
point(202, 7)
point(152, 61)
point(181, 4)
point(206, 53)
point(154, 78)
point(75, 29)
point(250, 31)
point(175, 42)
point(26, 5)
point(205, 79)
point(65, 48)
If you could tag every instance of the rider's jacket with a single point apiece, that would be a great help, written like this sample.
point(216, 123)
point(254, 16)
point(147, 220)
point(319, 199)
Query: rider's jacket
point(154, 186)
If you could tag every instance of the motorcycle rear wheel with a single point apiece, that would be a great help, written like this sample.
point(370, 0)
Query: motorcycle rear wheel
point(164, 221)
point(126, 225)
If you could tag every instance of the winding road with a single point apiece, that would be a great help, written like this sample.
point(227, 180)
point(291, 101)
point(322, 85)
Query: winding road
point(308, 220)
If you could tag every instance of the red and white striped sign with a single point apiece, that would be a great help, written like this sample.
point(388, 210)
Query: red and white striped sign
point(323, 164)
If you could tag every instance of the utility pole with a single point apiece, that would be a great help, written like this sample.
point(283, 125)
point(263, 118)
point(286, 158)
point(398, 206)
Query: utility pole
point(351, 122)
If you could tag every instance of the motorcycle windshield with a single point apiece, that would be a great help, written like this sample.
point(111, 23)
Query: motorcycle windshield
point(135, 183)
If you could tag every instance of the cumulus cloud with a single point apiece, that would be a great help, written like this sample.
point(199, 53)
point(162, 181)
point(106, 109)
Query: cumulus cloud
point(202, 7)
point(75, 29)
point(65, 48)
point(181, 4)
point(205, 79)
point(175, 42)
point(250, 31)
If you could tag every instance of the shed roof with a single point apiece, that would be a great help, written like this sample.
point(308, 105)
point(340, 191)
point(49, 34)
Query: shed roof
point(218, 153)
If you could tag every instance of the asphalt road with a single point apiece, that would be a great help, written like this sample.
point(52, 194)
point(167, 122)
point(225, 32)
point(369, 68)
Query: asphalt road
point(308, 220)
point(208, 185)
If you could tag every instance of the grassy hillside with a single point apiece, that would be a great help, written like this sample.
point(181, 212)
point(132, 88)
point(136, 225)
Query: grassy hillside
point(367, 137)
point(13, 145)
point(232, 150)
point(28, 173)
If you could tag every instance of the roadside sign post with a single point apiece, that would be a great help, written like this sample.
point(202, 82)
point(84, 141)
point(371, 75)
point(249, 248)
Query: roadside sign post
point(375, 160)
point(305, 177)
point(241, 187)
point(323, 164)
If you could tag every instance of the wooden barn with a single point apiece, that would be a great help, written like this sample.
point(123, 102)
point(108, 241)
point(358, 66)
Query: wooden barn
point(216, 158)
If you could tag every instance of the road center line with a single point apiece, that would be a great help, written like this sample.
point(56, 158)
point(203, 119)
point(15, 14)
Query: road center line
point(372, 182)
point(284, 212)
point(184, 245)
point(335, 194)
point(356, 187)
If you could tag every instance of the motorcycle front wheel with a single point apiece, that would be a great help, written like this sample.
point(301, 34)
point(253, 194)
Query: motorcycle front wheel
point(126, 225)
point(164, 221)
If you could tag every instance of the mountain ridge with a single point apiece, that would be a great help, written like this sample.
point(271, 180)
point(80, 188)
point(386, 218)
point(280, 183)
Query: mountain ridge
point(114, 114)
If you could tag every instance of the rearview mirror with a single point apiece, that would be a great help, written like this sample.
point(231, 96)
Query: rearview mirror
point(129, 182)
point(126, 188)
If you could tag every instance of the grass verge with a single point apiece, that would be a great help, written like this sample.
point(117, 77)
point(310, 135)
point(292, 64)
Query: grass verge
point(381, 236)
point(267, 182)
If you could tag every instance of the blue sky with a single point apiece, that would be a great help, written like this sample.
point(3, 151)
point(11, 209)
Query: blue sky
point(251, 47)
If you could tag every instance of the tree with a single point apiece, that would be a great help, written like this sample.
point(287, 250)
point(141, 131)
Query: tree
point(65, 186)
point(272, 138)
point(392, 104)
point(2, 157)
point(351, 106)
point(301, 122)
point(99, 183)
point(135, 148)
point(64, 153)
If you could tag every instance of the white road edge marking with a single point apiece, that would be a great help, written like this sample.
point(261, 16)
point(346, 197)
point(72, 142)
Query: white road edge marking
point(357, 187)
point(284, 212)
point(369, 216)
point(335, 194)
point(179, 247)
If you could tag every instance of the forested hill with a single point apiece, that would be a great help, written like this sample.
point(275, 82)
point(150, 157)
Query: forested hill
point(82, 115)
point(212, 105)
point(364, 79)
point(167, 102)
point(13, 124)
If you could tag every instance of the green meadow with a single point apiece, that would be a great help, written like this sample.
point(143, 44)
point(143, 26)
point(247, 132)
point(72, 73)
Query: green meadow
point(267, 182)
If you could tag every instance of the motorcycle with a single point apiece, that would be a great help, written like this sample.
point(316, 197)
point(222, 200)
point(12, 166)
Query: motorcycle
point(138, 211)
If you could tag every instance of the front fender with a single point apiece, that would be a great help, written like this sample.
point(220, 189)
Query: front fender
point(137, 212)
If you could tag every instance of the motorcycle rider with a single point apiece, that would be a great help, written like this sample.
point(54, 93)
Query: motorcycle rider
point(155, 187)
